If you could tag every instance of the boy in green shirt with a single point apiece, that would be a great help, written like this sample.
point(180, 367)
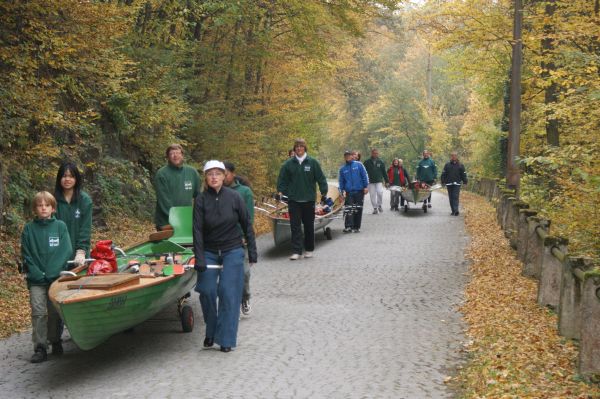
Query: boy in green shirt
point(45, 249)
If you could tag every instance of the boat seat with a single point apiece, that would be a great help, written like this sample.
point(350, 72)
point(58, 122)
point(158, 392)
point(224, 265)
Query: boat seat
point(180, 218)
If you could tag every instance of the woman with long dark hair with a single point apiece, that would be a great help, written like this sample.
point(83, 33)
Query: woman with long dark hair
point(74, 207)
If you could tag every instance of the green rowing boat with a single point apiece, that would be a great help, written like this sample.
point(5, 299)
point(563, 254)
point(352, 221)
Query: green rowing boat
point(151, 276)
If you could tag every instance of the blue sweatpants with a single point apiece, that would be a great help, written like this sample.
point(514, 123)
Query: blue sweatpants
point(226, 284)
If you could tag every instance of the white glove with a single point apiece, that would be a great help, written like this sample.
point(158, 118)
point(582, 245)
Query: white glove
point(79, 258)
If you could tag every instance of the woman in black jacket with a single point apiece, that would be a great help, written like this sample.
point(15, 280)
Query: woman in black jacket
point(219, 212)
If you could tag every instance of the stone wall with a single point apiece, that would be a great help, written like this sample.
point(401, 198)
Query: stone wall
point(568, 285)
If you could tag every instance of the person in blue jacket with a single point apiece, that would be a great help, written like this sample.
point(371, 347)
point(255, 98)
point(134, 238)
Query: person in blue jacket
point(353, 183)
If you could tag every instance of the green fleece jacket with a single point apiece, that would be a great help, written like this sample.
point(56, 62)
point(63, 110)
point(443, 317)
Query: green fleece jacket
point(247, 196)
point(77, 215)
point(298, 180)
point(45, 249)
point(426, 170)
point(376, 170)
point(175, 186)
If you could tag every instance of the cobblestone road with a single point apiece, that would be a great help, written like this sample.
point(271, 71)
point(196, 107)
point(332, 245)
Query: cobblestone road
point(372, 315)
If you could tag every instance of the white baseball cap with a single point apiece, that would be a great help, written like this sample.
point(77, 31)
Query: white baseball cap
point(214, 164)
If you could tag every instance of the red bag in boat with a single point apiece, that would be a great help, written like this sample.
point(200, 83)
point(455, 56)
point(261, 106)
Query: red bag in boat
point(99, 266)
point(106, 261)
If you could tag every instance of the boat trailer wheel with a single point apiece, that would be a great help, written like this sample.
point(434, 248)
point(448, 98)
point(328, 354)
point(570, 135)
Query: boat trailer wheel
point(187, 318)
point(186, 313)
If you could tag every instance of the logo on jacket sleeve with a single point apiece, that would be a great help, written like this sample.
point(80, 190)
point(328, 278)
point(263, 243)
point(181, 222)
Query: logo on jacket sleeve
point(53, 241)
point(187, 184)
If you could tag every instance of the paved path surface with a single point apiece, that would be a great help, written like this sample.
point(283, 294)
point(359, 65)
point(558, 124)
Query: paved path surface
point(372, 315)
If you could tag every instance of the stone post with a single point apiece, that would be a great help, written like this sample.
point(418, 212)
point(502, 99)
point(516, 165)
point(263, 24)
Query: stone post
point(589, 349)
point(569, 308)
point(535, 246)
point(513, 222)
point(522, 233)
point(553, 257)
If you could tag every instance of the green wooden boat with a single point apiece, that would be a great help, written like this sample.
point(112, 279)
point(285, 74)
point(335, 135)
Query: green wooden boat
point(96, 307)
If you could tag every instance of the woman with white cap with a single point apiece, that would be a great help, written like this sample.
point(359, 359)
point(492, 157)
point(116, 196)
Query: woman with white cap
point(219, 212)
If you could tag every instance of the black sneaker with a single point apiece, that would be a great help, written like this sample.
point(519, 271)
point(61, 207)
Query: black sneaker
point(246, 308)
point(208, 342)
point(57, 348)
point(347, 230)
point(40, 355)
point(356, 230)
point(429, 205)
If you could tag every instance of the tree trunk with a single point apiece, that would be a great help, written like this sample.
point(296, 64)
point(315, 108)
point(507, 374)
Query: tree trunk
point(234, 44)
point(1, 193)
point(514, 139)
point(429, 88)
point(548, 66)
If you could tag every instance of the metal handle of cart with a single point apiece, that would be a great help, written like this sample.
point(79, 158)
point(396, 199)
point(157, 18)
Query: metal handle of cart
point(188, 267)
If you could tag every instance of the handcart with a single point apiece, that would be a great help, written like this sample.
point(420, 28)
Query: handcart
point(277, 211)
point(415, 192)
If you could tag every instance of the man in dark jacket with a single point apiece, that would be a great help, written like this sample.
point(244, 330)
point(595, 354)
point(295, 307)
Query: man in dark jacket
point(377, 176)
point(453, 176)
point(353, 182)
point(297, 180)
point(427, 173)
point(233, 181)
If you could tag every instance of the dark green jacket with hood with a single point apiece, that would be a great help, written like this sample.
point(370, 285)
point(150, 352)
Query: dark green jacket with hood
point(77, 215)
point(45, 249)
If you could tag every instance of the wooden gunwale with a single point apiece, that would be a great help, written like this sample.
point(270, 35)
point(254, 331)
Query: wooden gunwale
point(144, 283)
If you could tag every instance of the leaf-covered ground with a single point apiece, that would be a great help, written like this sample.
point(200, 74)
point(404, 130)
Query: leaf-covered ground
point(14, 296)
point(514, 349)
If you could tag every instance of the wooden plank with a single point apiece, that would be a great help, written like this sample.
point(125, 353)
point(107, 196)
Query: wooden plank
point(105, 281)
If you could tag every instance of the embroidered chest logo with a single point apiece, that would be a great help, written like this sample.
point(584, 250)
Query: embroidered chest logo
point(53, 241)
point(307, 168)
point(187, 184)
point(77, 213)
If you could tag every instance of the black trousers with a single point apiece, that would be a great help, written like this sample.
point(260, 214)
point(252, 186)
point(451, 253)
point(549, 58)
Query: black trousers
point(354, 209)
point(453, 194)
point(429, 183)
point(302, 213)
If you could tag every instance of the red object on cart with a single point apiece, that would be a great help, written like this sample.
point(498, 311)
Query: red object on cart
point(105, 259)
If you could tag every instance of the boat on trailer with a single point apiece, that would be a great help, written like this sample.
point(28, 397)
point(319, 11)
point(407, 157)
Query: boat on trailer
point(151, 276)
point(280, 220)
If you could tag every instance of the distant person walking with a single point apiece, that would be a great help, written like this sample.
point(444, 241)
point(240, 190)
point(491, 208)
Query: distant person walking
point(297, 179)
point(176, 184)
point(427, 173)
point(398, 177)
point(453, 176)
point(220, 223)
point(377, 176)
point(241, 186)
point(353, 183)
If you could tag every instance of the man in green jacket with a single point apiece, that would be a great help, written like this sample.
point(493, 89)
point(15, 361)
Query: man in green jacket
point(377, 176)
point(232, 181)
point(297, 180)
point(45, 250)
point(427, 172)
point(176, 184)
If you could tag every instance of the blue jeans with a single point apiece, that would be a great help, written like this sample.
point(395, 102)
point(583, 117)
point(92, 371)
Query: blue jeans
point(226, 284)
